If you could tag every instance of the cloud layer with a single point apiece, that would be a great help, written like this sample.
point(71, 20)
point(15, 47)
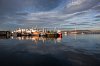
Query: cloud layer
point(49, 13)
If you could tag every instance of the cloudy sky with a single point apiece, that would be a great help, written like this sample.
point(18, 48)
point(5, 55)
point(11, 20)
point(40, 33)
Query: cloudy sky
point(82, 14)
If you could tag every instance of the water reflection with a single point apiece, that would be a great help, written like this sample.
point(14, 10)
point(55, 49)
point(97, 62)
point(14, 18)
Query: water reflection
point(71, 50)
point(32, 38)
point(37, 38)
point(4, 37)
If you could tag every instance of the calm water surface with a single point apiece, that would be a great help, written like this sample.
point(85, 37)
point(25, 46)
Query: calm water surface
point(71, 50)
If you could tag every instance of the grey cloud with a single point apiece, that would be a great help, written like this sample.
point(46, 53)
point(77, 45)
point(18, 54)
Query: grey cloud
point(22, 14)
point(87, 4)
point(17, 13)
point(98, 16)
point(97, 20)
point(12, 6)
point(79, 23)
point(83, 24)
point(77, 14)
point(97, 8)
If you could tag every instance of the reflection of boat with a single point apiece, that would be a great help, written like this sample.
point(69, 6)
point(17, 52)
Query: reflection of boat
point(59, 39)
point(37, 38)
point(49, 35)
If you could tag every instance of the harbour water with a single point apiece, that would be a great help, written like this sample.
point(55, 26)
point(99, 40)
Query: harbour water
point(70, 50)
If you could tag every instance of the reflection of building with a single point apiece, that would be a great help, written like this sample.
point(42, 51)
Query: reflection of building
point(5, 33)
point(37, 38)
point(4, 37)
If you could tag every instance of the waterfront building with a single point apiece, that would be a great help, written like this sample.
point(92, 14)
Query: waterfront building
point(5, 33)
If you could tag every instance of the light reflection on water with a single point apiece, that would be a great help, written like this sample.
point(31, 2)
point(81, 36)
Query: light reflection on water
point(71, 50)
point(36, 38)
